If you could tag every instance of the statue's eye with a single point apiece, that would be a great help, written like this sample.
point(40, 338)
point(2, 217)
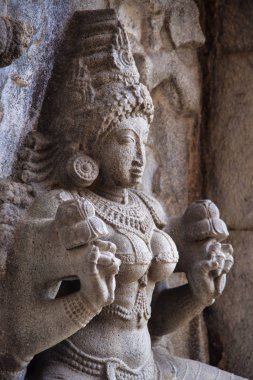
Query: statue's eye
point(124, 139)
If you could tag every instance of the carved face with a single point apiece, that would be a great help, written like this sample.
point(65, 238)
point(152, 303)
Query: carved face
point(122, 155)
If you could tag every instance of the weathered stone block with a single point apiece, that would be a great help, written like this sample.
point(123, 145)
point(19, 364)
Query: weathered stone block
point(236, 20)
point(23, 84)
point(229, 148)
point(184, 24)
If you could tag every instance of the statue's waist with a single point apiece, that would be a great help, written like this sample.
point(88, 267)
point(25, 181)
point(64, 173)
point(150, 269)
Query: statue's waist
point(105, 368)
point(107, 338)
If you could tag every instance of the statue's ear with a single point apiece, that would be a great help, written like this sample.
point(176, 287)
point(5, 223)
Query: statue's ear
point(81, 170)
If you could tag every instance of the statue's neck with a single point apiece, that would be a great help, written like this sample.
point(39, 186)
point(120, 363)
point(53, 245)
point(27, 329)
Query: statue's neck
point(115, 194)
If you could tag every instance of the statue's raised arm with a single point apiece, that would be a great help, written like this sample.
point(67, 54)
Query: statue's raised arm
point(57, 240)
point(205, 260)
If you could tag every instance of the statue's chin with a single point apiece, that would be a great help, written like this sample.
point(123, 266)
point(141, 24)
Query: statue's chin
point(133, 183)
point(130, 182)
point(136, 179)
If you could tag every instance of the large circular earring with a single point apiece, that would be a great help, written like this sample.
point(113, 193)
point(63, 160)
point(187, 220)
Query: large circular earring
point(82, 170)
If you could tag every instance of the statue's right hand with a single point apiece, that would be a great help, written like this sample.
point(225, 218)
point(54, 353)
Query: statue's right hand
point(92, 260)
point(98, 275)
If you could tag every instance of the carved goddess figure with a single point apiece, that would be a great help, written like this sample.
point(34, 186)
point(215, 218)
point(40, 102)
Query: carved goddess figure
point(97, 247)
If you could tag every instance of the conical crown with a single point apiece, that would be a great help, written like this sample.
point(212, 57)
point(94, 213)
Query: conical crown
point(95, 81)
point(103, 44)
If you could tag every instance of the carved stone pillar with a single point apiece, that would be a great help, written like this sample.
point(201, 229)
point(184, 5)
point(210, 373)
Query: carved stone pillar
point(227, 140)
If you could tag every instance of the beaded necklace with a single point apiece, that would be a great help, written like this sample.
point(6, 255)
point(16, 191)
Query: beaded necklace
point(132, 217)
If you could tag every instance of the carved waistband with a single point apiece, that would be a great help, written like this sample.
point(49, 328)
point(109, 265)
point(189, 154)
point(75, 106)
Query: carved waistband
point(109, 368)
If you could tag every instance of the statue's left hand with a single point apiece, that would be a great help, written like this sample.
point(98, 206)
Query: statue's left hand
point(200, 222)
point(207, 277)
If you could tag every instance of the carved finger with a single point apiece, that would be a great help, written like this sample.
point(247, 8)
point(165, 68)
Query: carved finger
point(220, 283)
point(227, 249)
point(229, 262)
point(111, 285)
point(109, 262)
point(106, 259)
point(106, 246)
point(216, 254)
point(220, 257)
point(209, 265)
point(92, 261)
point(214, 248)
point(212, 255)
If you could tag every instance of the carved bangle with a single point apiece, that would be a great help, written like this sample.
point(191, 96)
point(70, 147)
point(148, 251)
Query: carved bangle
point(79, 310)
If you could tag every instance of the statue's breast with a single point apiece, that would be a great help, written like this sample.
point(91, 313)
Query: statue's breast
point(165, 255)
point(159, 257)
point(134, 253)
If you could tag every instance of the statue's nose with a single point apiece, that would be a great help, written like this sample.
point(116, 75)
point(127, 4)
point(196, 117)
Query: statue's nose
point(140, 156)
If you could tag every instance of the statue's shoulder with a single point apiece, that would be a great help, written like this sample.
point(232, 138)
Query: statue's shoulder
point(46, 204)
point(155, 208)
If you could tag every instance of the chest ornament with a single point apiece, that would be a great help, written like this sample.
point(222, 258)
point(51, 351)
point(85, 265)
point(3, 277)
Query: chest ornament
point(133, 217)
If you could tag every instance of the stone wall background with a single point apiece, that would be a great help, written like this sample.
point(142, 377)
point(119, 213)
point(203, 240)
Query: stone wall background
point(187, 158)
point(227, 142)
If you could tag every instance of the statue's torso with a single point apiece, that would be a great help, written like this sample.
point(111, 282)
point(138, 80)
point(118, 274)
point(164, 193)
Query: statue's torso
point(147, 255)
point(116, 343)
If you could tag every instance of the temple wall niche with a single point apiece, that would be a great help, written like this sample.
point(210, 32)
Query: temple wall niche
point(165, 36)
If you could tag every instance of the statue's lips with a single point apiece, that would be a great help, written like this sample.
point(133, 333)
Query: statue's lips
point(137, 172)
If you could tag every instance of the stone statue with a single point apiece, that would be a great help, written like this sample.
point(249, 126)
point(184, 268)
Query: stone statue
point(84, 279)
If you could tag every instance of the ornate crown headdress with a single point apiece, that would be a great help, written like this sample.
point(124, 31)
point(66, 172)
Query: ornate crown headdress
point(99, 81)
point(104, 47)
